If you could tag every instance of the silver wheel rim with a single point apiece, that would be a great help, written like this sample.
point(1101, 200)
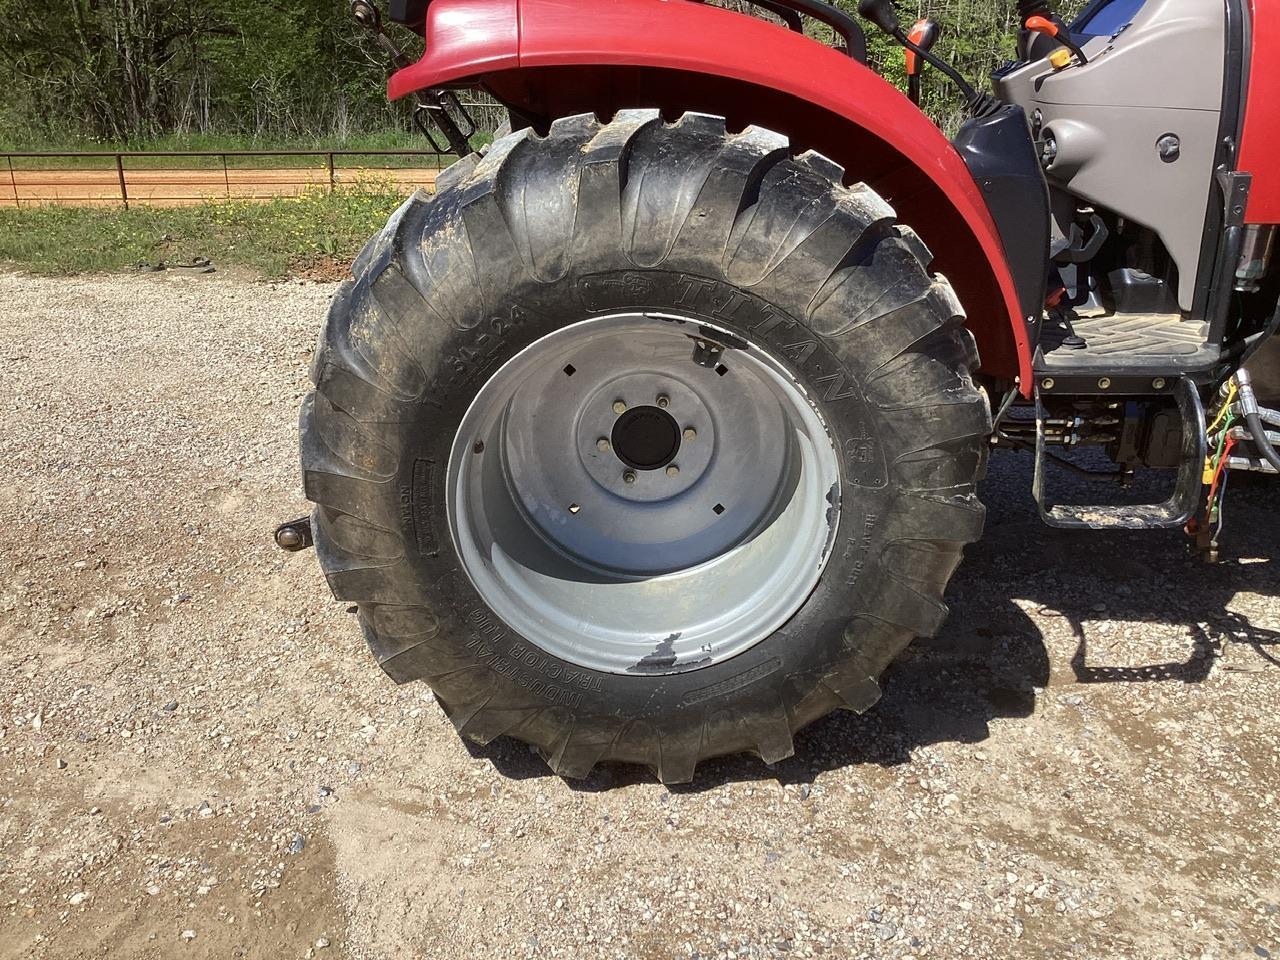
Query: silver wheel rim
point(605, 541)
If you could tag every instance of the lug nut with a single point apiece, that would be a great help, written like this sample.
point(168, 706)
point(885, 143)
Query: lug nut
point(629, 476)
point(690, 433)
point(603, 445)
point(673, 471)
point(664, 401)
point(619, 406)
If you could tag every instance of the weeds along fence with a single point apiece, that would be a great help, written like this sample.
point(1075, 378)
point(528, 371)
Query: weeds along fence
point(177, 177)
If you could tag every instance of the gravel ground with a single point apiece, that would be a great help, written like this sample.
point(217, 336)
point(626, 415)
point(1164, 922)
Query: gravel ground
point(198, 758)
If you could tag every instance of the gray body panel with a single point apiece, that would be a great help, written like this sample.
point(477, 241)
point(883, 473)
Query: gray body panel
point(1161, 75)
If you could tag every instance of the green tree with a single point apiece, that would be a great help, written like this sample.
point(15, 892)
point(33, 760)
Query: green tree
point(122, 70)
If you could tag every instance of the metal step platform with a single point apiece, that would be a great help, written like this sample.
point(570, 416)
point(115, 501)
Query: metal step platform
point(1138, 342)
point(1174, 512)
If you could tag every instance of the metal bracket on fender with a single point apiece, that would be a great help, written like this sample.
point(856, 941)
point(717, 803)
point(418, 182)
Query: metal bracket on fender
point(443, 110)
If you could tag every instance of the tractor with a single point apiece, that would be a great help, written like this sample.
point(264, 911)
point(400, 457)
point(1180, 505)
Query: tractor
point(656, 431)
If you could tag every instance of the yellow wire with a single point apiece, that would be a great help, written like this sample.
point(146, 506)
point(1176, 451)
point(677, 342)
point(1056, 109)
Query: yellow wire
point(1226, 405)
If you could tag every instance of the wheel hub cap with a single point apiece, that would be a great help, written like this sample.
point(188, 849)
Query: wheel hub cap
point(646, 438)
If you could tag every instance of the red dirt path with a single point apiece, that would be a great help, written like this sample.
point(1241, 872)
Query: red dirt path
point(101, 187)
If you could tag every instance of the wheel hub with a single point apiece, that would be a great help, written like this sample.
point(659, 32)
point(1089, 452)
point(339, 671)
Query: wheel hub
point(646, 438)
point(611, 498)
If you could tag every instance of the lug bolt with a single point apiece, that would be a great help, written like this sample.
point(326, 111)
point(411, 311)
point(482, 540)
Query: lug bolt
point(673, 471)
point(664, 401)
point(603, 445)
point(690, 433)
point(1104, 383)
point(289, 539)
point(1047, 383)
point(1158, 383)
point(619, 406)
point(629, 477)
point(574, 508)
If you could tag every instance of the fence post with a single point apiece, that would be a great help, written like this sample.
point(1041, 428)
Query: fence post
point(17, 201)
point(226, 182)
point(124, 192)
point(332, 179)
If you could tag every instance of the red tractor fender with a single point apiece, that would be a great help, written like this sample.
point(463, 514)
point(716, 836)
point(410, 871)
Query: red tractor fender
point(555, 58)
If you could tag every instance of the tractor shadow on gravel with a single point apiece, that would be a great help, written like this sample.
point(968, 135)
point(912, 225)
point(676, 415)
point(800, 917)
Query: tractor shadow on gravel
point(1020, 605)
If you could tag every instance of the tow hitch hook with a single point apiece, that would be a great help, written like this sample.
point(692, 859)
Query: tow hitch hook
point(294, 535)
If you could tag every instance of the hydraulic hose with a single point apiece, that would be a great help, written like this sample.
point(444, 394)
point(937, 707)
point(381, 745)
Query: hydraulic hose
point(1249, 410)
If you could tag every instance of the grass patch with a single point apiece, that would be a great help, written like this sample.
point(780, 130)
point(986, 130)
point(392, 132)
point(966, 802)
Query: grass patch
point(271, 237)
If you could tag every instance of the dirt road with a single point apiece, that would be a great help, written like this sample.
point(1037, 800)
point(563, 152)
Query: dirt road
point(199, 759)
point(91, 187)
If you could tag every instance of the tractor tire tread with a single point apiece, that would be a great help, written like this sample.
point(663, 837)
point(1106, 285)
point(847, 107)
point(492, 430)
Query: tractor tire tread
point(686, 195)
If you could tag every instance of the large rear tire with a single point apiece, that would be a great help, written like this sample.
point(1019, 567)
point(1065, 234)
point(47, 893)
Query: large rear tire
point(644, 442)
